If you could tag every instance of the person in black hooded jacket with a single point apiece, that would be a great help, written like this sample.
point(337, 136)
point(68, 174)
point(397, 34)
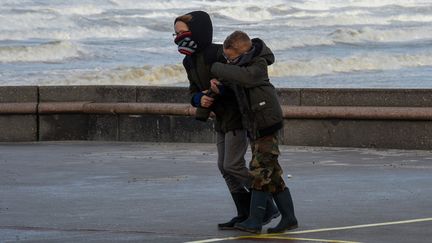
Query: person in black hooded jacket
point(247, 70)
point(194, 33)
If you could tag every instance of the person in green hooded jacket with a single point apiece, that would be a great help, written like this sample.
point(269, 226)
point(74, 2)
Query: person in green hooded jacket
point(246, 73)
point(193, 35)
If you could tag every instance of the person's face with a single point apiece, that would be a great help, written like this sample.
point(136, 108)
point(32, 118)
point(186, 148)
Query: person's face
point(233, 55)
point(180, 28)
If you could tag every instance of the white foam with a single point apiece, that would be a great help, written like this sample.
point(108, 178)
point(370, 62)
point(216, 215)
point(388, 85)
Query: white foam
point(31, 21)
point(412, 18)
point(298, 41)
point(353, 36)
point(118, 32)
point(342, 19)
point(163, 14)
point(156, 5)
point(356, 63)
point(368, 34)
point(336, 18)
point(175, 74)
point(84, 9)
point(48, 52)
point(240, 14)
point(402, 26)
point(337, 4)
point(146, 75)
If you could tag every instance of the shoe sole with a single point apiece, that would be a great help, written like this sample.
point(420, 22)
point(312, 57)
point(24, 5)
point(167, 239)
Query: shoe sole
point(269, 231)
point(248, 230)
point(226, 228)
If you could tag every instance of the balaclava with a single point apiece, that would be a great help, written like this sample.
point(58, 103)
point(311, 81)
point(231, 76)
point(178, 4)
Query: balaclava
point(200, 35)
point(185, 43)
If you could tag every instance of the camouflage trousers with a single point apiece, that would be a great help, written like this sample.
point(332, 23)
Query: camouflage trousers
point(264, 166)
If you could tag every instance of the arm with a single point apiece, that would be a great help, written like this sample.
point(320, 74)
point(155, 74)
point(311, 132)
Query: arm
point(199, 99)
point(195, 94)
point(245, 76)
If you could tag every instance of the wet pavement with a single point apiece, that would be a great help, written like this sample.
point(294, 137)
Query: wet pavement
point(172, 192)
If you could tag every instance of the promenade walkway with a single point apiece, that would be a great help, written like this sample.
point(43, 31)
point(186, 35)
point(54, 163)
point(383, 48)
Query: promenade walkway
point(171, 192)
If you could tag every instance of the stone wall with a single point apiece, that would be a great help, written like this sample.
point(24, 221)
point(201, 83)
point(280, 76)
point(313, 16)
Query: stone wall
point(31, 125)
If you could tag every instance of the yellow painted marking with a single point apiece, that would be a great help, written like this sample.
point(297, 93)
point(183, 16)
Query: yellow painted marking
point(360, 226)
point(214, 240)
point(298, 239)
point(265, 236)
point(279, 236)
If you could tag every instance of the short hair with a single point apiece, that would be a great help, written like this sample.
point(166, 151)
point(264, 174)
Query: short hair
point(184, 18)
point(237, 40)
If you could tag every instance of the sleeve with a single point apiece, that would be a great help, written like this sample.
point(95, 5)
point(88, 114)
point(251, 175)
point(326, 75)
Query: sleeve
point(193, 88)
point(221, 88)
point(245, 76)
point(196, 99)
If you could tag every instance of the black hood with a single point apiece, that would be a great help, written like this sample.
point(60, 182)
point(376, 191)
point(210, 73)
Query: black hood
point(202, 29)
point(259, 49)
point(262, 50)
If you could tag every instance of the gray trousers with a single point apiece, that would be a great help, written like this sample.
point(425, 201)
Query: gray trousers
point(232, 148)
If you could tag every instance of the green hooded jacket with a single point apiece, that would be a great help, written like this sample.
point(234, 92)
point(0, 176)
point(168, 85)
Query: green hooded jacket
point(261, 100)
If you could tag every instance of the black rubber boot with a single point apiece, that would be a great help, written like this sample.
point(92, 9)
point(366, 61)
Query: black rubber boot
point(272, 211)
point(286, 207)
point(258, 204)
point(242, 203)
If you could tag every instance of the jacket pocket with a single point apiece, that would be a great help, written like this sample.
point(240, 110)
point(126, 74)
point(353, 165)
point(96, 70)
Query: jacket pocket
point(262, 114)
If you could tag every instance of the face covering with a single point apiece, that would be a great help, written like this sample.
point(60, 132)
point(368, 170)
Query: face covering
point(185, 43)
point(245, 58)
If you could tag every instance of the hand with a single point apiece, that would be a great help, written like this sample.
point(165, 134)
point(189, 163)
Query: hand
point(214, 86)
point(206, 101)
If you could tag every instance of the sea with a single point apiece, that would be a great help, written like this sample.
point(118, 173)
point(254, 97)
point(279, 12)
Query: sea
point(317, 44)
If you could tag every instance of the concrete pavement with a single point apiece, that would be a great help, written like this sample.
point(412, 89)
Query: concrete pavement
point(172, 192)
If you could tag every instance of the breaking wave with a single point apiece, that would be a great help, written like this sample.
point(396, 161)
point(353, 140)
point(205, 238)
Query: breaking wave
point(48, 52)
point(357, 63)
point(354, 36)
point(175, 74)
point(77, 33)
point(242, 14)
point(146, 75)
point(110, 41)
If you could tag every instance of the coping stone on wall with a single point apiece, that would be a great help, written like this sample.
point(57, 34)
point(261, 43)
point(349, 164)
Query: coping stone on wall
point(289, 96)
point(87, 93)
point(163, 94)
point(366, 97)
point(18, 94)
point(181, 95)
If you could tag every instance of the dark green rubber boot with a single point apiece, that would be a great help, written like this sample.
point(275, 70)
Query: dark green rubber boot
point(258, 205)
point(272, 211)
point(286, 207)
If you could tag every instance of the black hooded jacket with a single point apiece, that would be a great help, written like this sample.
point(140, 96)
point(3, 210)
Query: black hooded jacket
point(198, 67)
point(262, 101)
